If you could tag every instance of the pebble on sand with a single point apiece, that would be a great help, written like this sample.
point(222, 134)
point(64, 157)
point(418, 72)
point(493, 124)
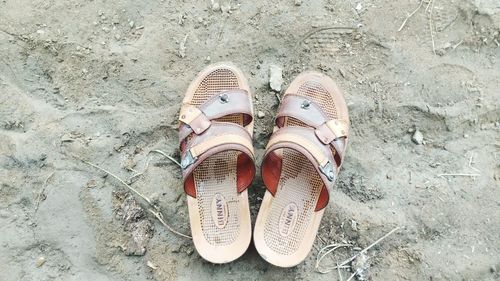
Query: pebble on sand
point(417, 137)
point(275, 77)
point(40, 261)
point(261, 114)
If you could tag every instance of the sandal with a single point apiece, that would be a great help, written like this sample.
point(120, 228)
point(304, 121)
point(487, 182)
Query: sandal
point(299, 167)
point(217, 161)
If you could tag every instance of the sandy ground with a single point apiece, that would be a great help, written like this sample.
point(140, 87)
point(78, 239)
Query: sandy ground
point(103, 80)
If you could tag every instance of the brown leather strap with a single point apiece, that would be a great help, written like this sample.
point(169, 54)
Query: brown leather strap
point(333, 132)
point(222, 136)
point(300, 108)
point(199, 119)
point(303, 140)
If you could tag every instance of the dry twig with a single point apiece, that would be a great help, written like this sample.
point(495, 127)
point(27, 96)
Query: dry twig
point(369, 247)
point(156, 213)
point(340, 273)
point(120, 180)
point(159, 216)
point(332, 247)
point(168, 156)
point(40, 194)
point(348, 29)
point(411, 15)
point(459, 175)
point(323, 252)
point(352, 275)
point(431, 3)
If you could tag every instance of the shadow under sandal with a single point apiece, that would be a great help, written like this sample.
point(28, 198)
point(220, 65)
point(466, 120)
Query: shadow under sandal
point(217, 159)
point(299, 168)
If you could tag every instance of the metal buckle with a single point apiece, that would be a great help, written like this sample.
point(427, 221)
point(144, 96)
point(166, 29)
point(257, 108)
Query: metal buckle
point(327, 170)
point(188, 160)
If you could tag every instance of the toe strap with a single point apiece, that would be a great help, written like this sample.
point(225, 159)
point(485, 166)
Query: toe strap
point(221, 136)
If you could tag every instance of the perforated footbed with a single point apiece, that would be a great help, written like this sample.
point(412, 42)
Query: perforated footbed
point(217, 174)
point(299, 182)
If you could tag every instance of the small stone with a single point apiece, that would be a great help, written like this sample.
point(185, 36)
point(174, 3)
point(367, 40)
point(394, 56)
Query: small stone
point(4, 214)
point(342, 72)
point(208, 59)
point(91, 183)
point(298, 2)
point(182, 47)
point(40, 261)
point(131, 23)
point(216, 7)
point(411, 130)
point(275, 77)
point(175, 249)
point(417, 137)
point(225, 8)
point(261, 114)
point(151, 265)
point(466, 136)
point(359, 7)
point(117, 36)
point(354, 225)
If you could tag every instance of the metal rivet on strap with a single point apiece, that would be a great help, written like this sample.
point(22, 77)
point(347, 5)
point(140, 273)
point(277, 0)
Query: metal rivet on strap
point(223, 98)
point(305, 104)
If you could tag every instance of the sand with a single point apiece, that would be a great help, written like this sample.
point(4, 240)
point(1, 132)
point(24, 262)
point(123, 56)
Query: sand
point(103, 81)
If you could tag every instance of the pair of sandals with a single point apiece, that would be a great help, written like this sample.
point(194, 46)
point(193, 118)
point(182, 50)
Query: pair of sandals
point(299, 167)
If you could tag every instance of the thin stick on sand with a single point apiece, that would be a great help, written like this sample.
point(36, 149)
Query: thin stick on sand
point(146, 166)
point(120, 180)
point(369, 247)
point(343, 264)
point(168, 156)
point(323, 252)
point(340, 273)
point(431, 26)
point(159, 216)
point(40, 194)
point(352, 276)
point(411, 15)
point(156, 213)
point(459, 175)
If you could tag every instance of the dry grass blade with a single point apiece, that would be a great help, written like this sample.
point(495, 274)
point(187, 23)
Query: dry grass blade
point(159, 216)
point(168, 156)
point(411, 15)
point(459, 175)
point(156, 213)
point(120, 180)
point(369, 247)
point(340, 273)
point(431, 26)
point(348, 29)
point(332, 247)
point(40, 194)
point(352, 276)
point(323, 252)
